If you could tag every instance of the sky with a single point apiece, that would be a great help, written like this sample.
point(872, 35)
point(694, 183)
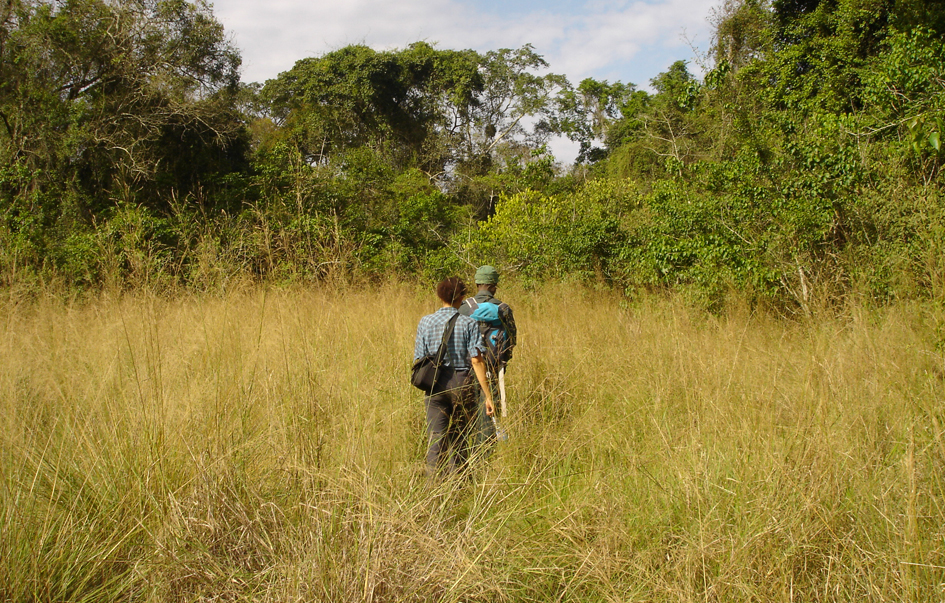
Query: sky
point(618, 40)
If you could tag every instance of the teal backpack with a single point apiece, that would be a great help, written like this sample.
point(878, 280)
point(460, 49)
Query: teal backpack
point(494, 334)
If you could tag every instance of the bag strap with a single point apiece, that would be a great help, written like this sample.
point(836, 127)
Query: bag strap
point(447, 333)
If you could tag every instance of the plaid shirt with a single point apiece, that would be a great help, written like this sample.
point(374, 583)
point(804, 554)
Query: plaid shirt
point(462, 346)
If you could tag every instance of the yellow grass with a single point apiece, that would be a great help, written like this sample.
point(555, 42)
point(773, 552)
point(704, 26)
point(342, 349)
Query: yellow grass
point(265, 445)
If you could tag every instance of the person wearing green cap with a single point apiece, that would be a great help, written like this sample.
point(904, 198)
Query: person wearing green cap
point(487, 281)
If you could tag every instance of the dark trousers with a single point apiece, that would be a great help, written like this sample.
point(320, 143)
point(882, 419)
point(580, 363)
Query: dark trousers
point(451, 414)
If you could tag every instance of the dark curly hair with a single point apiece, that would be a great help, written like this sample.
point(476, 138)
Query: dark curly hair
point(451, 290)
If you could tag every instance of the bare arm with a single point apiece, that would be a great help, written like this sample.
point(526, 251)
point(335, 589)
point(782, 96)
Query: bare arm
point(480, 368)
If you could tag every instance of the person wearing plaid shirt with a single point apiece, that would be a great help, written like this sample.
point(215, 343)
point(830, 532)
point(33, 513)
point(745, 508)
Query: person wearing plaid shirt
point(430, 332)
point(451, 408)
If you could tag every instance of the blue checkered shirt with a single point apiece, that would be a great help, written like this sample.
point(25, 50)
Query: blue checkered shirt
point(462, 346)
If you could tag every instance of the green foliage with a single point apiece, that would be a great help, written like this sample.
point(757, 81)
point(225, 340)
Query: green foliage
point(676, 90)
point(805, 166)
point(513, 91)
point(657, 134)
point(103, 105)
point(908, 77)
point(356, 96)
point(372, 217)
point(926, 134)
point(586, 114)
point(757, 180)
point(96, 94)
point(905, 88)
point(569, 236)
point(431, 109)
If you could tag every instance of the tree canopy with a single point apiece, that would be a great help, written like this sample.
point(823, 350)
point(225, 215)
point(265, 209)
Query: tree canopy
point(805, 164)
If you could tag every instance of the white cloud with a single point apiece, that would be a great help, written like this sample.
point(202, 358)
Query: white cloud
point(615, 39)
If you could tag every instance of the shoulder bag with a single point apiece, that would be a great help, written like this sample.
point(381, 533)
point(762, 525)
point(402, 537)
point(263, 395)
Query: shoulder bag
point(426, 370)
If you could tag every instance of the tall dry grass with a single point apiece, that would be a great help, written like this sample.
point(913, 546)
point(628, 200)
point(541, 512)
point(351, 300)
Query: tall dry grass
point(265, 445)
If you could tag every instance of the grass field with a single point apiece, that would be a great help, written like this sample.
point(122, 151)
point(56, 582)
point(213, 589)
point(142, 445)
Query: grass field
point(265, 445)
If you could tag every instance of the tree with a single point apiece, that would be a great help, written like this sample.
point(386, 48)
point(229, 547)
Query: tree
point(106, 105)
point(429, 108)
point(98, 95)
point(742, 32)
point(656, 131)
point(586, 114)
point(512, 91)
point(511, 120)
point(401, 101)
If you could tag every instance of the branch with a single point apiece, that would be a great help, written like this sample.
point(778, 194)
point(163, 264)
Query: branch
point(6, 124)
point(504, 133)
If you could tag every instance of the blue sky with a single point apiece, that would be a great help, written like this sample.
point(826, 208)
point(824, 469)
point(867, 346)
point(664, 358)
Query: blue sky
point(630, 41)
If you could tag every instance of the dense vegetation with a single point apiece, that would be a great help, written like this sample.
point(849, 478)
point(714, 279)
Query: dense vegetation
point(805, 166)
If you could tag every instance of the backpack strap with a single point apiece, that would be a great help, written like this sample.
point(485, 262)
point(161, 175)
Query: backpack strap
point(504, 310)
point(472, 303)
point(447, 333)
point(505, 315)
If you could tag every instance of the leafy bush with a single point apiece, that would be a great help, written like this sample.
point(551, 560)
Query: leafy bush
point(572, 236)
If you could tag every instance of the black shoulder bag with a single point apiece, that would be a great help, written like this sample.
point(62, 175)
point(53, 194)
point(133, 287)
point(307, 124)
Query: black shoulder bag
point(426, 370)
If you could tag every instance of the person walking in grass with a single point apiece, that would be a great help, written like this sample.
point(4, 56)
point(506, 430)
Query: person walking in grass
point(451, 408)
point(497, 355)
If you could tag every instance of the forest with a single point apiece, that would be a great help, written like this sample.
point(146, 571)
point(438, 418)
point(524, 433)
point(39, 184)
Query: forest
point(802, 169)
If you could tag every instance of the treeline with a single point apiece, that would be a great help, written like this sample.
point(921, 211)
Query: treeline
point(805, 166)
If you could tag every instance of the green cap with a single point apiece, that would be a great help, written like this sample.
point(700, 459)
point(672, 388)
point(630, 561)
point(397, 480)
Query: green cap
point(487, 275)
